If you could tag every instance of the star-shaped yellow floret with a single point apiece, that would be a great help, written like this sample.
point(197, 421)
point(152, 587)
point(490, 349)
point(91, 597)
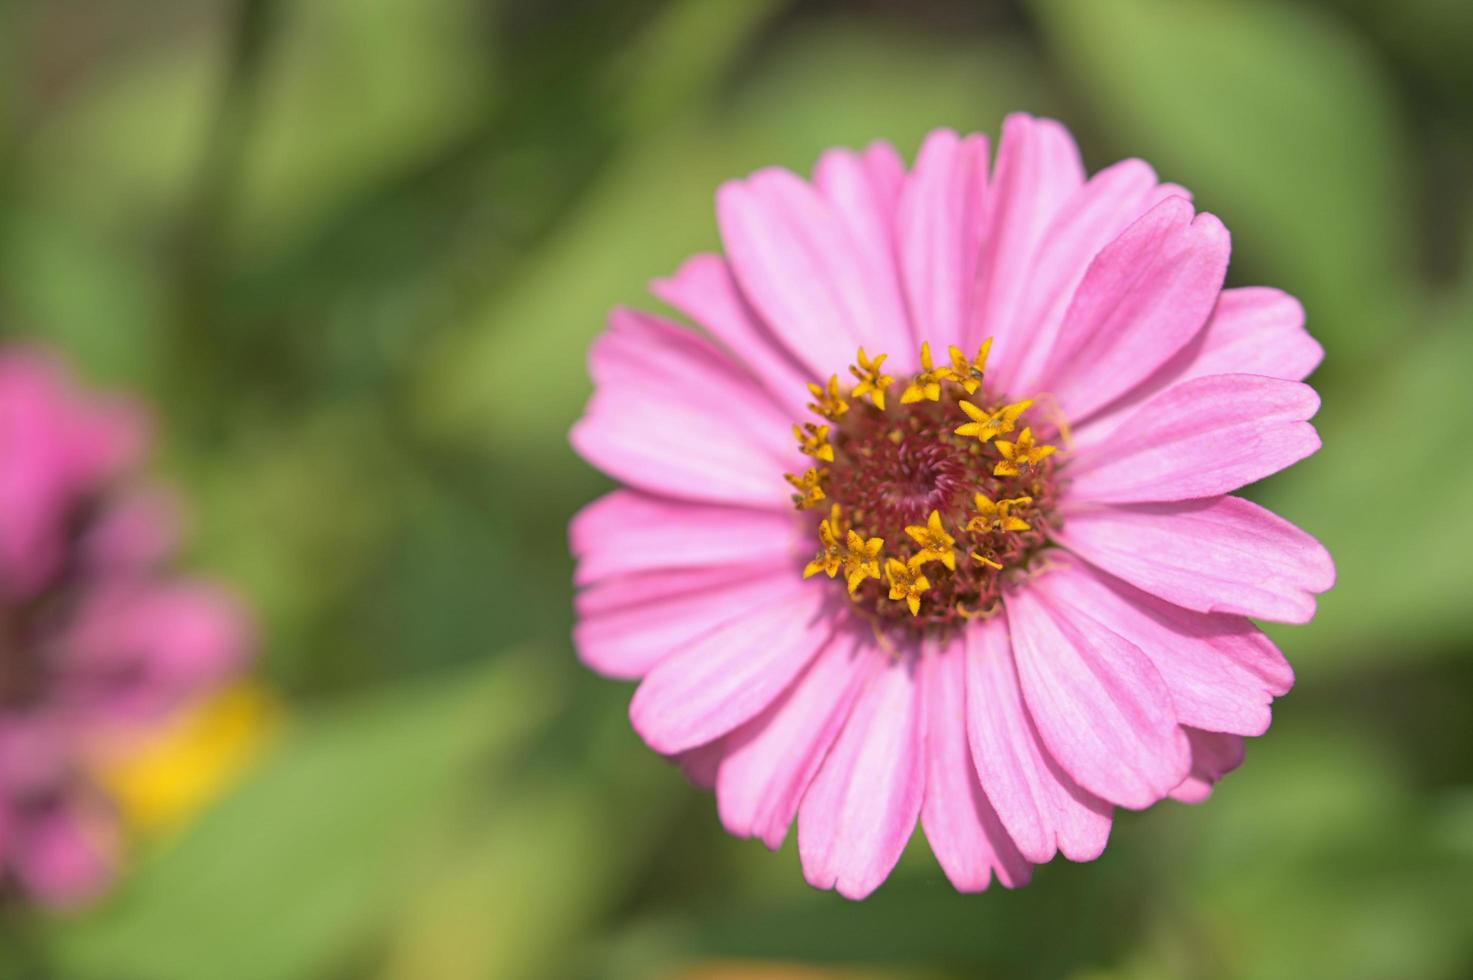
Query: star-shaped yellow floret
point(809, 486)
point(1022, 453)
point(985, 424)
point(871, 381)
point(813, 440)
point(998, 516)
point(828, 403)
point(831, 558)
point(862, 559)
point(935, 543)
point(927, 384)
point(969, 375)
point(906, 583)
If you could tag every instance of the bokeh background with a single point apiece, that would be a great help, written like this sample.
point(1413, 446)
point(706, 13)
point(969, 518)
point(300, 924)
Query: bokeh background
point(355, 249)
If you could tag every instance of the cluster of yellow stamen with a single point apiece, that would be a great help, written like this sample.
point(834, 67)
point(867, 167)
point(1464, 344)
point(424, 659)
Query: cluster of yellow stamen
point(846, 549)
point(883, 463)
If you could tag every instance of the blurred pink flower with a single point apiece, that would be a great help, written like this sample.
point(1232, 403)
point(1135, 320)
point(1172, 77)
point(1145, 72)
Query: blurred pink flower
point(1041, 588)
point(98, 641)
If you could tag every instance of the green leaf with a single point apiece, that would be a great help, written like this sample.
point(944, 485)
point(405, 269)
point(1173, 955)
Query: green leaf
point(286, 876)
point(351, 91)
point(516, 896)
point(1280, 121)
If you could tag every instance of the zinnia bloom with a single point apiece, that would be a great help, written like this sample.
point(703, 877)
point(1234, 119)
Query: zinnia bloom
point(97, 640)
point(930, 518)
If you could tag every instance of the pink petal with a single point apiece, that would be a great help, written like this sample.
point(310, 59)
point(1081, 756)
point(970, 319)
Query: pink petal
point(940, 228)
point(135, 652)
point(1219, 555)
point(629, 531)
point(773, 758)
point(65, 854)
point(964, 831)
point(1221, 670)
point(1043, 809)
point(627, 625)
point(61, 445)
point(801, 267)
point(1092, 218)
point(861, 809)
point(1038, 169)
point(664, 417)
point(1202, 438)
point(1214, 755)
point(864, 192)
point(138, 532)
point(702, 763)
point(704, 289)
point(731, 673)
point(1141, 300)
point(1254, 330)
point(1101, 706)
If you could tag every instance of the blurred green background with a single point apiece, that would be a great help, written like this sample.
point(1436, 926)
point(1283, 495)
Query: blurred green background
point(355, 250)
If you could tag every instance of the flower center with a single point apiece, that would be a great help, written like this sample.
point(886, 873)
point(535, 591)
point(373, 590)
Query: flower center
point(930, 501)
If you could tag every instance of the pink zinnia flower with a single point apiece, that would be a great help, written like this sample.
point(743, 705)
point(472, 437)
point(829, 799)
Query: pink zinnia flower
point(1003, 588)
point(97, 639)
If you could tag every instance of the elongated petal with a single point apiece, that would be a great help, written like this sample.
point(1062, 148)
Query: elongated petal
point(1202, 438)
point(1093, 216)
point(629, 531)
point(940, 228)
point(730, 674)
point(1218, 555)
point(963, 829)
point(774, 757)
point(704, 289)
point(1099, 703)
point(628, 624)
point(801, 268)
point(1043, 810)
point(702, 763)
point(1221, 670)
point(861, 809)
point(1214, 755)
point(863, 190)
point(1253, 330)
point(1143, 298)
point(1038, 169)
point(661, 417)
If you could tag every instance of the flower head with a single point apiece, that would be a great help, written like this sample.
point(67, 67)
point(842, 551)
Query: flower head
point(98, 642)
point(1063, 621)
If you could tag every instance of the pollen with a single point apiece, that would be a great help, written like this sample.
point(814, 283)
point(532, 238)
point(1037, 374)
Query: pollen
point(927, 384)
point(809, 486)
point(934, 542)
point(987, 424)
point(813, 440)
point(907, 584)
point(831, 558)
point(1018, 455)
point(966, 373)
point(872, 381)
point(827, 401)
point(861, 560)
point(995, 516)
point(931, 508)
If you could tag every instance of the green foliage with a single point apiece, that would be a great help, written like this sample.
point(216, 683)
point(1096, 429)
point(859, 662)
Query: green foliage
point(298, 865)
